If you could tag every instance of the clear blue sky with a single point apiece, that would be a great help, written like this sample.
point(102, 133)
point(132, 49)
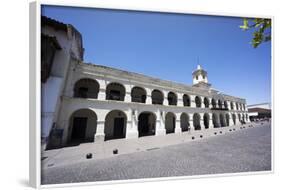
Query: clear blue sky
point(166, 46)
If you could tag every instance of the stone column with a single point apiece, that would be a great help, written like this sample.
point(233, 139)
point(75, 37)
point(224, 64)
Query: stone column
point(178, 124)
point(180, 99)
point(165, 102)
point(127, 97)
point(202, 121)
point(202, 102)
point(148, 96)
point(210, 103)
point(99, 136)
point(192, 101)
point(191, 122)
point(102, 94)
point(230, 120)
point(102, 91)
point(132, 125)
point(211, 125)
point(160, 127)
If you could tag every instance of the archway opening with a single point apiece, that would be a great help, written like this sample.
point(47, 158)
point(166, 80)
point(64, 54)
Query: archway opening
point(196, 121)
point(198, 102)
point(172, 98)
point(231, 106)
point(206, 120)
point(220, 104)
point(157, 97)
point(222, 120)
point(184, 122)
point(186, 100)
point(227, 119)
point(115, 125)
point(206, 102)
point(214, 103)
point(82, 126)
point(234, 119)
point(138, 95)
point(215, 120)
point(225, 105)
point(115, 91)
point(170, 122)
point(146, 124)
point(86, 88)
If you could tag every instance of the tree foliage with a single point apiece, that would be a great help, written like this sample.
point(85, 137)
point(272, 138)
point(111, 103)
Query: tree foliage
point(261, 27)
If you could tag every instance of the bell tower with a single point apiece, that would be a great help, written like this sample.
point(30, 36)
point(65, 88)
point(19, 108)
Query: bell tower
point(200, 77)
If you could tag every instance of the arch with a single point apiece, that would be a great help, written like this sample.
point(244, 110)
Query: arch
point(172, 98)
point(237, 107)
point(243, 118)
point(198, 101)
point(222, 120)
point(196, 121)
point(220, 104)
point(234, 118)
point(215, 120)
point(157, 97)
point(146, 123)
point(227, 118)
point(170, 122)
point(206, 102)
point(206, 118)
point(115, 125)
point(239, 117)
point(82, 126)
point(225, 104)
point(115, 91)
point(184, 122)
point(231, 106)
point(138, 94)
point(214, 103)
point(86, 88)
point(186, 100)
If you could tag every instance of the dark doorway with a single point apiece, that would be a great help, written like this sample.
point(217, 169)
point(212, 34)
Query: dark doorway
point(146, 124)
point(118, 127)
point(79, 129)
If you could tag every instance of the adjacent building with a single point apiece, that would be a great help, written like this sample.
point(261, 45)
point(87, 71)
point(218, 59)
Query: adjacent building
point(94, 103)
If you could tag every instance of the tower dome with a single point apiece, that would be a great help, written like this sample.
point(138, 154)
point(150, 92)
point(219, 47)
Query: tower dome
point(200, 77)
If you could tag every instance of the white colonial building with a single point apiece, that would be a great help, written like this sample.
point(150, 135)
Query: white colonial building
point(95, 103)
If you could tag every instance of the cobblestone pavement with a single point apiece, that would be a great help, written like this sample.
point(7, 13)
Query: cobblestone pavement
point(245, 150)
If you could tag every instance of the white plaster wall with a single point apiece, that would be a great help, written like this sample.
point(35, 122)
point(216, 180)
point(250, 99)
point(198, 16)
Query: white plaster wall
point(49, 97)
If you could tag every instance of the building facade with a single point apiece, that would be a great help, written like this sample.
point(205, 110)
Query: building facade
point(98, 103)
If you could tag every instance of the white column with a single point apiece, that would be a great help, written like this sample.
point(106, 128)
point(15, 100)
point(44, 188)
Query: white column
point(202, 121)
point(165, 102)
point(210, 103)
point(180, 99)
point(132, 125)
point(211, 125)
point(148, 96)
point(160, 123)
point(230, 120)
point(127, 97)
point(192, 101)
point(102, 94)
point(102, 91)
point(99, 136)
point(202, 102)
point(178, 124)
point(191, 122)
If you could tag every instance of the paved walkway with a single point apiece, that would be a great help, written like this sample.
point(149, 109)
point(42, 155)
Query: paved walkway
point(244, 150)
